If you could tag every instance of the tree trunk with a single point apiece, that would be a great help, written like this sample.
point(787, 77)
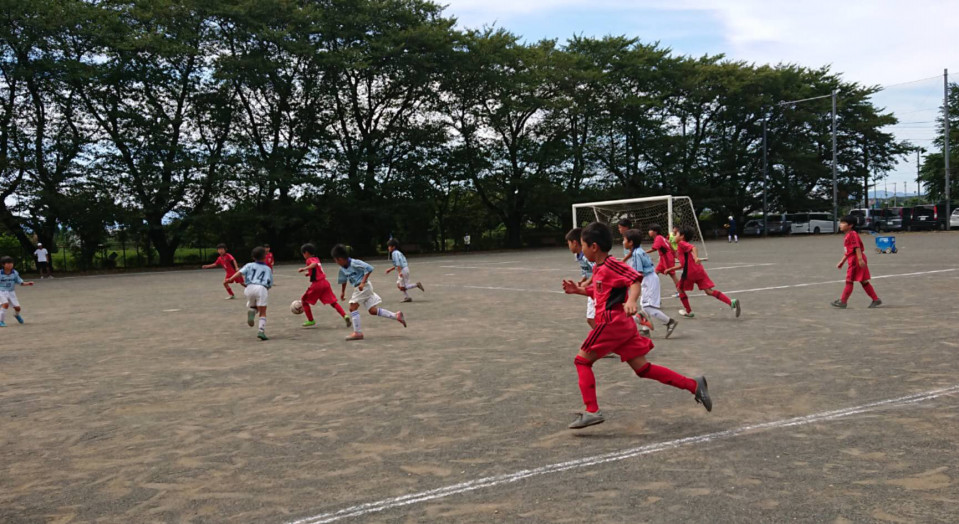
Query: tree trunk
point(514, 231)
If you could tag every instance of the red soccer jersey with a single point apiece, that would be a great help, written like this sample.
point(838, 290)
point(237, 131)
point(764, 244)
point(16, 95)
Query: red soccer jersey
point(850, 243)
point(610, 287)
point(691, 270)
point(665, 250)
point(317, 272)
point(269, 260)
point(227, 262)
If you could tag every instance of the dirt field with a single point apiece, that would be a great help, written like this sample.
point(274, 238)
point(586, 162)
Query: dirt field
point(146, 398)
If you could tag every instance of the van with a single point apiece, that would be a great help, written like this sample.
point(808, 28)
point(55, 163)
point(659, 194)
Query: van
point(890, 219)
point(866, 218)
point(924, 217)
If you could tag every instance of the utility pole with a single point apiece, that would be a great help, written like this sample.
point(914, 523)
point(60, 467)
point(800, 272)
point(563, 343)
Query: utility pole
point(765, 180)
point(945, 111)
point(918, 177)
point(895, 195)
point(835, 190)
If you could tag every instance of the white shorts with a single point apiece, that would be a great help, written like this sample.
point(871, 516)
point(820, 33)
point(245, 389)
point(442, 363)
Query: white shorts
point(403, 277)
point(650, 296)
point(367, 298)
point(255, 295)
point(590, 308)
point(9, 297)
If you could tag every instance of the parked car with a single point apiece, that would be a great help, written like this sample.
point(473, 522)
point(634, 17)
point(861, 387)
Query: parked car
point(944, 222)
point(753, 228)
point(954, 220)
point(890, 219)
point(924, 217)
point(866, 218)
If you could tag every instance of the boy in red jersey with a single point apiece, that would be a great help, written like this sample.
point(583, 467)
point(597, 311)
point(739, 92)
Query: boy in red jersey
point(857, 271)
point(615, 287)
point(228, 263)
point(269, 256)
point(319, 290)
point(667, 255)
point(695, 274)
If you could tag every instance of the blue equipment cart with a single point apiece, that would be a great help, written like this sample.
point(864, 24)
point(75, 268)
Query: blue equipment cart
point(886, 244)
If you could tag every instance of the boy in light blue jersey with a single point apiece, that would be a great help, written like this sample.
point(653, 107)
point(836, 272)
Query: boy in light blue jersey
point(402, 268)
point(585, 271)
point(650, 302)
point(357, 273)
point(9, 278)
point(259, 279)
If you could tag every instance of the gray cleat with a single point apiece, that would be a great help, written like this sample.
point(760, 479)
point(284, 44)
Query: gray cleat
point(586, 419)
point(838, 303)
point(702, 394)
point(671, 326)
point(735, 304)
point(875, 303)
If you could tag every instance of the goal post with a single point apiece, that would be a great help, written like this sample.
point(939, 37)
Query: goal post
point(665, 210)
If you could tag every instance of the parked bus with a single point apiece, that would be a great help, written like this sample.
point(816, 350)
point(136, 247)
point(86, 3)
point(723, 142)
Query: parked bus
point(810, 223)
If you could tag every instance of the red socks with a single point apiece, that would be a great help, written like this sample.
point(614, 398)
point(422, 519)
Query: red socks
point(664, 375)
point(307, 311)
point(867, 287)
point(685, 300)
point(338, 309)
point(846, 292)
point(722, 298)
point(587, 383)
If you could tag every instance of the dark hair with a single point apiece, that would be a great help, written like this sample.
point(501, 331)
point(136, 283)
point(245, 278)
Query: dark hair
point(221, 246)
point(6, 260)
point(656, 228)
point(259, 253)
point(687, 232)
point(635, 236)
point(849, 219)
point(627, 223)
point(266, 246)
point(574, 235)
point(308, 248)
point(598, 233)
point(393, 243)
point(339, 251)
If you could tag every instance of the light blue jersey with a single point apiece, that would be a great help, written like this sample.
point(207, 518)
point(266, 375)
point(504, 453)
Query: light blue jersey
point(641, 262)
point(258, 273)
point(585, 266)
point(399, 260)
point(354, 272)
point(9, 282)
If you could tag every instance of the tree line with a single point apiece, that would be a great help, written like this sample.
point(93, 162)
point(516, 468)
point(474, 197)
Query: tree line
point(281, 121)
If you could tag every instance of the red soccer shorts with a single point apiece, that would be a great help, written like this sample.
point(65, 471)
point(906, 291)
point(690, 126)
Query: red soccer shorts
point(319, 291)
point(619, 336)
point(703, 283)
point(855, 273)
point(237, 281)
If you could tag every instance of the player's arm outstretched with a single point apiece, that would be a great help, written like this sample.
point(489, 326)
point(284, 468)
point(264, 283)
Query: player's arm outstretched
point(573, 288)
point(307, 268)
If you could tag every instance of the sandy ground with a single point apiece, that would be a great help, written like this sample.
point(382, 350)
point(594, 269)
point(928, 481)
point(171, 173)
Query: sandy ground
point(146, 398)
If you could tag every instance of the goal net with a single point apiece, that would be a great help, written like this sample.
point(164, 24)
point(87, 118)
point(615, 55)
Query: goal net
point(667, 211)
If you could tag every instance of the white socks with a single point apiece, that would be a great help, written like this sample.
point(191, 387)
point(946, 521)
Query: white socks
point(3, 313)
point(405, 294)
point(657, 314)
point(262, 323)
point(380, 312)
point(355, 317)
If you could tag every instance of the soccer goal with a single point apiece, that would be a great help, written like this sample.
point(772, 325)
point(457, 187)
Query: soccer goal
point(667, 211)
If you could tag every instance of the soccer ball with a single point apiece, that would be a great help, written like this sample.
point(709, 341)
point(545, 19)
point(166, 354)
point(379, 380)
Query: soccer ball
point(296, 307)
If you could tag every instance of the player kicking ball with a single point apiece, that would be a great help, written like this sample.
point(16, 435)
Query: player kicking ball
point(616, 287)
point(357, 273)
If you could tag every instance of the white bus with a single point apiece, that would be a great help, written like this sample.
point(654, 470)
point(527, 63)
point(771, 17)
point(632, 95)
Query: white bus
point(810, 223)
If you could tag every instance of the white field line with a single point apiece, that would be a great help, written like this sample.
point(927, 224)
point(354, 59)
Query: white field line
point(616, 456)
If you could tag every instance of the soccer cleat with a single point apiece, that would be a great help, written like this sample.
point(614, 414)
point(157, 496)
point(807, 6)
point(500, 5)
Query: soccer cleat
point(670, 327)
point(875, 303)
point(420, 285)
point(702, 394)
point(20, 319)
point(349, 322)
point(250, 317)
point(644, 321)
point(230, 297)
point(838, 303)
point(262, 335)
point(355, 336)
point(309, 323)
point(586, 419)
point(735, 305)
point(401, 318)
point(687, 314)
point(407, 299)
point(3, 324)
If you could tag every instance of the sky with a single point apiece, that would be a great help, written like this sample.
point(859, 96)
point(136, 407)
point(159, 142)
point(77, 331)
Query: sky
point(903, 45)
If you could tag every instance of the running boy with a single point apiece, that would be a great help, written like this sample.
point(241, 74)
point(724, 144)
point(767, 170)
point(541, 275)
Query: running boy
point(402, 270)
point(585, 271)
point(667, 253)
point(695, 274)
point(641, 262)
point(9, 278)
point(319, 289)
point(857, 271)
point(259, 279)
point(228, 263)
point(616, 287)
point(357, 272)
point(623, 226)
